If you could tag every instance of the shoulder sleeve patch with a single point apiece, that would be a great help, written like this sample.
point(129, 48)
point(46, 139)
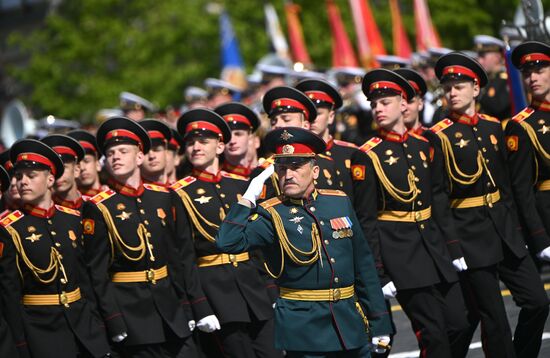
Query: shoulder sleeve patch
point(344, 143)
point(358, 172)
point(521, 116)
point(11, 218)
point(270, 202)
point(267, 162)
point(441, 125)
point(88, 226)
point(489, 118)
point(103, 196)
point(419, 137)
point(67, 210)
point(182, 183)
point(233, 176)
point(371, 143)
point(331, 192)
point(155, 187)
point(512, 143)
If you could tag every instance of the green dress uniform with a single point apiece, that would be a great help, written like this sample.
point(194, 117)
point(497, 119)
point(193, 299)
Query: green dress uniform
point(330, 298)
point(50, 305)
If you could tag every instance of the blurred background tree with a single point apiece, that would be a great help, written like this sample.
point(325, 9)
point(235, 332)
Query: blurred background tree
point(88, 51)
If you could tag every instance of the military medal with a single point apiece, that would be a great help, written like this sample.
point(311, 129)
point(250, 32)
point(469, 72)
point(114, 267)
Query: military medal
point(200, 191)
point(342, 227)
point(162, 215)
point(494, 141)
point(293, 210)
point(124, 215)
point(296, 219)
point(120, 206)
point(300, 229)
point(327, 175)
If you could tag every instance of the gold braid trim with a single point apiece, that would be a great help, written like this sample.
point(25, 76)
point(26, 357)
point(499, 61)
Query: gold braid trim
point(461, 177)
point(404, 196)
point(196, 215)
point(53, 267)
point(275, 183)
point(119, 242)
point(536, 143)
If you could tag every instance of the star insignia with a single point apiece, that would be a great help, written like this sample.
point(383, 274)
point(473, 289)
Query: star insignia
point(285, 135)
point(124, 215)
point(203, 199)
point(34, 237)
point(294, 211)
point(544, 129)
point(296, 219)
point(391, 160)
point(462, 143)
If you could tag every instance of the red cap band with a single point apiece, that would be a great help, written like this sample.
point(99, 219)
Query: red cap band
point(294, 149)
point(64, 150)
point(124, 133)
point(156, 135)
point(284, 102)
point(174, 143)
point(386, 85)
point(320, 96)
point(198, 125)
point(33, 157)
point(8, 165)
point(237, 118)
point(415, 86)
point(87, 145)
point(531, 57)
point(461, 70)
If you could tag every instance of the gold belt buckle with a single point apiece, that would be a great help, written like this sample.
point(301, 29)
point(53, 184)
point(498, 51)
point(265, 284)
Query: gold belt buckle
point(233, 260)
point(489, 200)
point(336, 294)
point(64, 299)
point(151, 276)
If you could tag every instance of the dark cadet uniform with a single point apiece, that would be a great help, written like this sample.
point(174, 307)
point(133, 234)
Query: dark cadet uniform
point(486, 220)
point(232, 283)
point(160, 135)
point(323, 95)
point(397, 185)
point(330, 299)
point(131, 242)
point(49, 303)
point(494, 98)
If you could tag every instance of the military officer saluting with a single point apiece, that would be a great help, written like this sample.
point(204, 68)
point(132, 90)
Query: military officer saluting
point(327, 100)
point(49, 302)
point(395, 186)
point(485, 217)
point(330, 299)
point(130, 240)
point(232, 283)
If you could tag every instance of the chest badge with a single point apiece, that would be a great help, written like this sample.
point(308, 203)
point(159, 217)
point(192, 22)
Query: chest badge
point(327, 175)
point(462, 143)
point(544, 129)
point(201, 191)
point(120, 206)
point(391, 160)
point(342, 227)
point(124, 215)
point(34, 237)
point(296, 219)
point(203, 199)
point(294, 211)
point(72, 235)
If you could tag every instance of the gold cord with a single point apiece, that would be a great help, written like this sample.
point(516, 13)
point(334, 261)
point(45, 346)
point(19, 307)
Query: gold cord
point(404, 196)
point(461, 177)
point(196, 215)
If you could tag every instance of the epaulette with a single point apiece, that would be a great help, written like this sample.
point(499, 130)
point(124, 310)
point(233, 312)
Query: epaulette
point(11, 218)
point(98, 198)
point(267, 162)
point(331, 192)
point(489, 118)
point(4, 213)
point(182, 183)
point(418, 136)
point(67, 210)
point(155, 187)
point(441, 125)
point(521, 116)
point(233, 176)
point(371, 143)
point(270, 202)
point(344, 143)
point(320, 155)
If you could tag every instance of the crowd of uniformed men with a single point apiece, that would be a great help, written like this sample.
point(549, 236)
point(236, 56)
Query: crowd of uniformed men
point(170, 238)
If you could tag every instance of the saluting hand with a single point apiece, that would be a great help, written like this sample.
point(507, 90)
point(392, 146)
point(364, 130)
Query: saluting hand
point(257, 184)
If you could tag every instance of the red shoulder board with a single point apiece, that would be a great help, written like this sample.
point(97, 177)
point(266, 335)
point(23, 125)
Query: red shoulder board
point(4, 213)
point(270, 202)
point(441, 125)
point(267, 162)
point(182, 183)
point(155, 187)
point(521, 116)
point(331, 192)
point(11, 218)
point(86, 197)
point(98, 198)
point(344, 143)
point(371, 143)
point(418, 136)
point(488, 118)
point(67, 210)
point(233, 176)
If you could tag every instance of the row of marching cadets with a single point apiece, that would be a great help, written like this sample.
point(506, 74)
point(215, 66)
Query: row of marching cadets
point(298, 256)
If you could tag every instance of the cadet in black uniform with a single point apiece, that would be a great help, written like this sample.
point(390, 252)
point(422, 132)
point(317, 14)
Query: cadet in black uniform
point(49, 302)
point(327, 100)
point(232, 283)
point(415, 105)
point(11, 200)
point(485, 214)
point(396, 186)
point(130, 236)
point(153, 169)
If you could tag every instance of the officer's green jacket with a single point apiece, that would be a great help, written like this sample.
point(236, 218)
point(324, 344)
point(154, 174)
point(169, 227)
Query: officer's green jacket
point(345, 260)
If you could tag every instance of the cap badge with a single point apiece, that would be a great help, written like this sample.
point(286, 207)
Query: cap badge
point(285, 135)
point(288, 149)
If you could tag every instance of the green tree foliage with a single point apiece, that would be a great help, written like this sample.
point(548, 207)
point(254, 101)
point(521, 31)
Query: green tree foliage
point(90, 50)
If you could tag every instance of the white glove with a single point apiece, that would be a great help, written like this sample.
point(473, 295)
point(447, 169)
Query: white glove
point(208, 324)
point(120, 337)
point(460, 264)
point(389, 290)
point(257, 184)
point(191, 325)
point(544, 254)
point(380, 344)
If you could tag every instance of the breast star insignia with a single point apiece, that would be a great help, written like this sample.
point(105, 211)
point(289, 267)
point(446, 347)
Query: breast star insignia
point(34, 237)
point(203, 199)
point(544, 129)
point(296, 219)
point(391, 160)
point(293, 210)
point(124, 215)
point(462, 143)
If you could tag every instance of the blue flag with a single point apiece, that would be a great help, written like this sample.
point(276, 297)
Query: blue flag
point(515, 84)
point(232, 63)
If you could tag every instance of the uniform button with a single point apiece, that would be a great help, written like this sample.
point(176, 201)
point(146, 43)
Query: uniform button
point(218, 186)
point(57, 244)
point(336, 279)
point(486, 160)
point(488, 185)
point(63, 281)
point(409, 156)
point(479, 139)
point(222, 195)
point(327, 242)
point(416, 179)
point(53, 233)
point(332, 260)
point(484, 150)
point(141, 211)
point(419, 202)
point(419, 191)
point(405, 145)
point(138, 200)
point(49, 222)
point(226, 206)
point(322, 222)
point(337, 172)
point(422, 226)
point(312, 208)
point(328, 153)
point(146, 222)
point(475, 129)
point(413, 167)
